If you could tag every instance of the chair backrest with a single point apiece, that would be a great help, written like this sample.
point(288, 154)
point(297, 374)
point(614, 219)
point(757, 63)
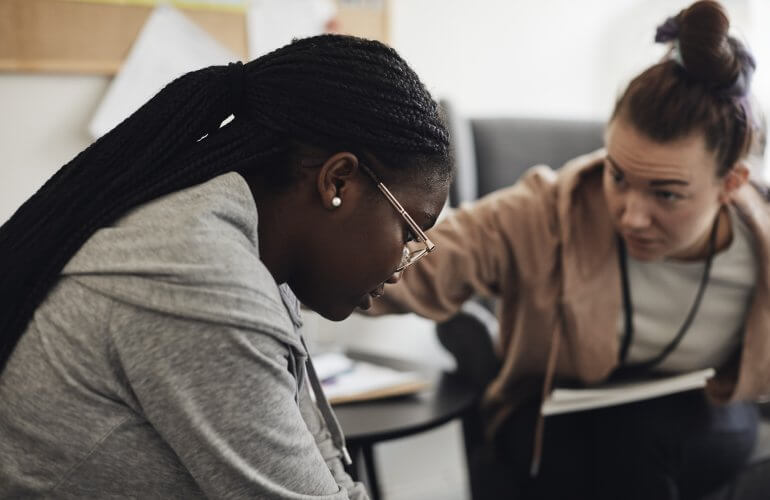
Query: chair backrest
point(506, 147)
point(491, 153)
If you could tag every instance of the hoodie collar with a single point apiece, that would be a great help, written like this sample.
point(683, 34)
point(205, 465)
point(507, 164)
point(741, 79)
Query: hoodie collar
point(291, 302)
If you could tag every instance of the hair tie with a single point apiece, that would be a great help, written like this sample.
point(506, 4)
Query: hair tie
point(667, 31)
point(742, 85)
point(236, 77)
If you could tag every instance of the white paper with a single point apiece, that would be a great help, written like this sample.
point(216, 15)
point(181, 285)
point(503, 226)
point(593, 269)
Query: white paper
point(272, 24)
point(570, 400)
point(331, 364)
point(365, 378)
point(168, 46)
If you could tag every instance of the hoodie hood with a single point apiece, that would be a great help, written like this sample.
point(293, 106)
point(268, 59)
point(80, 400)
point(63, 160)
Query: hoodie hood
point(193, 253)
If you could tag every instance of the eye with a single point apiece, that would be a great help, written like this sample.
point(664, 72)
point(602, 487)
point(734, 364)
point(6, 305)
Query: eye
point(409, 236)
point(617, 176)
point(668, 195)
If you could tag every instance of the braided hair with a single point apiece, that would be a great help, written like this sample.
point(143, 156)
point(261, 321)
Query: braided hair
point(328, 90)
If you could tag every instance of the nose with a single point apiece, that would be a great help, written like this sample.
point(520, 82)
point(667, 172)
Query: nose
point(635, 213)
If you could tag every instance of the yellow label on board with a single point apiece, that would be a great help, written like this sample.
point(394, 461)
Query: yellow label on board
point(220, 5)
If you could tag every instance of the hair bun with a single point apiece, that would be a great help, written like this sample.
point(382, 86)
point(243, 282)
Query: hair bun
point(708, 53)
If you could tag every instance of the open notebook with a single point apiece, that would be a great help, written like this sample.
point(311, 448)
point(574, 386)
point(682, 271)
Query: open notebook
point(570, 400)
point(346, 380)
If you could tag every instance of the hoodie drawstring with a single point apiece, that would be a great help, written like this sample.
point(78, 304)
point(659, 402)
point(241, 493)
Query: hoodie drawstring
point(338, 438)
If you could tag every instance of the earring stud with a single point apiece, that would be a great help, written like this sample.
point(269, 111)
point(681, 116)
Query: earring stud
point(336, 201)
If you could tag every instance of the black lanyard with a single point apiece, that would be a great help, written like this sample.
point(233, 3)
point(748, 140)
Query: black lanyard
point(639, 368)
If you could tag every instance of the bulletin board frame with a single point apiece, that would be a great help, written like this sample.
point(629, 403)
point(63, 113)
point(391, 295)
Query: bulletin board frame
point(71, 36)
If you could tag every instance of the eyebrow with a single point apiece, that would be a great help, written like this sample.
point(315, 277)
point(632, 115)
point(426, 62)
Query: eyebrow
point(431, 218)
point(653, 182)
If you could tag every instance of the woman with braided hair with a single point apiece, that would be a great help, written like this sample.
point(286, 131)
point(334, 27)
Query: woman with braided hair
point(149, 327)
point(647, 257)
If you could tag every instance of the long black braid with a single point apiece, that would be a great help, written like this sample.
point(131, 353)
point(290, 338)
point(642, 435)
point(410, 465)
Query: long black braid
point(325, 90)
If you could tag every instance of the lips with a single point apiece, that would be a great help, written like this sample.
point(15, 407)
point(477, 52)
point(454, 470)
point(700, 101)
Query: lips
point(639, 241)
point(366, 300)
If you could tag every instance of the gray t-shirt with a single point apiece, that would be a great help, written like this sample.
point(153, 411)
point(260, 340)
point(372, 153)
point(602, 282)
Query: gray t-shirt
point(167, 363)
point(663, 293)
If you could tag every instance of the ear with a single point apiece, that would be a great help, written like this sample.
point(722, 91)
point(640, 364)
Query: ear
point(335, 176)
point(734, 179)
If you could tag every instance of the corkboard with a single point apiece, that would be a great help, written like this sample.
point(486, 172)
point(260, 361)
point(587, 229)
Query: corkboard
point(82, 37)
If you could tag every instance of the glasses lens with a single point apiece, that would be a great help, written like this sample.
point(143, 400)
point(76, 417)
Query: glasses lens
point(404, 260)
point(417, 255)
point(412, 253)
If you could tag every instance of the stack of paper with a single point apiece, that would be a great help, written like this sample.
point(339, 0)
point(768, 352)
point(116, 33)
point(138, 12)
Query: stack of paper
point(569, 400)
point(331, 364)
point(345, 380)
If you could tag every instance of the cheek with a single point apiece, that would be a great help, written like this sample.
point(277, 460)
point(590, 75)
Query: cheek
point(611, 196)
point(387, 254)
point(685, 223)
point(677, 223)
point(374, 254)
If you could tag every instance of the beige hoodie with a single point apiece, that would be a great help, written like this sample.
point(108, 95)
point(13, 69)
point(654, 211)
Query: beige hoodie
point(546, 247)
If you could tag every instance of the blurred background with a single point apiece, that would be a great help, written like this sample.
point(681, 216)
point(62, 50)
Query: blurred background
point(525, 58)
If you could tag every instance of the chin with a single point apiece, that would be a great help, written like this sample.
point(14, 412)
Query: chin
point(324, 305)
point(335, 313)
point(645, 252)
point(339, 315)
point(645, 256)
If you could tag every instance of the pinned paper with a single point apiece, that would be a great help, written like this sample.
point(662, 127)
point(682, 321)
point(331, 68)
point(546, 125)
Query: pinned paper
point(274, 23)
point(168, 46)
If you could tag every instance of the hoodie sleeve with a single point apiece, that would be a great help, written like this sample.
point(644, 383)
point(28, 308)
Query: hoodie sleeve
point(224, 399)
point(480, 249)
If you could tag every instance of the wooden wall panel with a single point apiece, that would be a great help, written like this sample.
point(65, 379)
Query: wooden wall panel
point(83, 37)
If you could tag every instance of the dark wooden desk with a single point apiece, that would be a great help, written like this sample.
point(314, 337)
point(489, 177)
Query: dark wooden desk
point(368, 423)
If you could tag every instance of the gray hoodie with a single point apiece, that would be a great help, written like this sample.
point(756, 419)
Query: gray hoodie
point(167, 363)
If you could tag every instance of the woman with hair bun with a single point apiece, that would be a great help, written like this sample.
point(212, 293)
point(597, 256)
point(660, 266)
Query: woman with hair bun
point(150, 342)
point(647, 257)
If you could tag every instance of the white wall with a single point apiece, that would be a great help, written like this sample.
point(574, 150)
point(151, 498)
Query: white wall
point(557, 58)
point(43, 121)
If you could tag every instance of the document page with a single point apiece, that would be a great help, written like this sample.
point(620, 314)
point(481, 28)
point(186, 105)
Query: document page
point(569, 400)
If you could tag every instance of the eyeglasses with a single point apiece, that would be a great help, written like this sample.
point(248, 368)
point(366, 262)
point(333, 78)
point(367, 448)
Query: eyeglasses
point(414, 251)
point(422, 245)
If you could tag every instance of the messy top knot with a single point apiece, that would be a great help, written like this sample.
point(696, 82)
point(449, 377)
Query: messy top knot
point(709, 54)
point(702, 85)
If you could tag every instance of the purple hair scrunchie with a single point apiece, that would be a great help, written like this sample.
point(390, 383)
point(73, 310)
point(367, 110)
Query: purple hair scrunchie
point(741, 87)
point(667, 31)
